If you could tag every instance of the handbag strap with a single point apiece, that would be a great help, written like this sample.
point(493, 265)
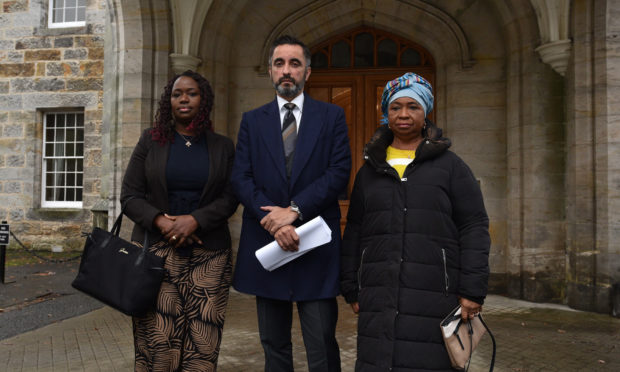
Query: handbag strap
point(492, 339)
point(471, 343)
point(116, 228)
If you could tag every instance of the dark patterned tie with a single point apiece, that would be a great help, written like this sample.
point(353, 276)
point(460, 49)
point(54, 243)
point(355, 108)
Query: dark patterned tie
point(289, 136)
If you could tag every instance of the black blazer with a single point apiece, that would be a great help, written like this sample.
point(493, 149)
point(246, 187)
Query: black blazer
point(145, 180)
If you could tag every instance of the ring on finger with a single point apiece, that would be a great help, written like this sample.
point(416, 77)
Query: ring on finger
point(174, 237)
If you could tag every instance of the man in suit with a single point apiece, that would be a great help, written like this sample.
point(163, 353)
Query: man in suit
point(292, 161)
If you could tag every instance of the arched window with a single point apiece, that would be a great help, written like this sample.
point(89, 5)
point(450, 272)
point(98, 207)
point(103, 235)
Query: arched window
point(369, 48)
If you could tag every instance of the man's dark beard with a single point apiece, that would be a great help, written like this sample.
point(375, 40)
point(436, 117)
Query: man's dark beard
point(288, 92)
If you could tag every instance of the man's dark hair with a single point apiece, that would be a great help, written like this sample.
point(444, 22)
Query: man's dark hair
point(290, 40)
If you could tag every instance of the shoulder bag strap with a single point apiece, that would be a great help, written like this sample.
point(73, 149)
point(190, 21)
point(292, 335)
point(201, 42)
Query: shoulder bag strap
point(492, 339)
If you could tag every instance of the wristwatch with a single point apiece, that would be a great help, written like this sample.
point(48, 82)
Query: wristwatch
point(295, 209)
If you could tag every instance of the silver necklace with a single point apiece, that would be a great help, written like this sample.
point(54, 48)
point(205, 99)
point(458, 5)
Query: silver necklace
point(188, 141)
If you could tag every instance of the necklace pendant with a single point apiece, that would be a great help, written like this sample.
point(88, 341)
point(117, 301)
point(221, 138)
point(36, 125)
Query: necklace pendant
point(188, 143)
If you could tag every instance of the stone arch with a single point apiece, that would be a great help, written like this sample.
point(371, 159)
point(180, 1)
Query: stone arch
point(500, 37)
point(137, 45)
point(429, 17)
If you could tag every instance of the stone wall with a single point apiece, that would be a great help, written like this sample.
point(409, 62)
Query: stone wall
point(43, 69)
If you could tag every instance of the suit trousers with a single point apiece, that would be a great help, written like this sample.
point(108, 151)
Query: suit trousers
point(318, 325)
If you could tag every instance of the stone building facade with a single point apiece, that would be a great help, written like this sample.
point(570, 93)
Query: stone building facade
point(49, 71)
point(526, 89)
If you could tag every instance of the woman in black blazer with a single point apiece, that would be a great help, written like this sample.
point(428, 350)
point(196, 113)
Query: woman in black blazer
point(177, 190)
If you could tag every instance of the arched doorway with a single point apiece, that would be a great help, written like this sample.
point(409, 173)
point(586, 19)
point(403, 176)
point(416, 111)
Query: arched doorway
point(351, 69)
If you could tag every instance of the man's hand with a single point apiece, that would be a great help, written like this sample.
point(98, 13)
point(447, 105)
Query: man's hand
point(287, 238)
point(469, 308)
point(276, 218)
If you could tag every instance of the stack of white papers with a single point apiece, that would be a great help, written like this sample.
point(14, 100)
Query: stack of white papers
point(311, 235)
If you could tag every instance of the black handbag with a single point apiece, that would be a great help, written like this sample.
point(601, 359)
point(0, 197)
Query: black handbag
point(120, 274)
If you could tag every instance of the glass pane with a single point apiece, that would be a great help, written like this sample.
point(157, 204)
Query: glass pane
point(70, 15)
point(60, 120)
point(319, 60)
point(364, 48)
point(59, 165)
point(70, 120)
point(70, 3)
point(81, 14)
point(79, 149)
point(70, 194)
point(70, 135)
point(69, 149)
point(49, 194)
point(386, 53)
point(49, 179)
point(49, 149)
point(59, 180)
point(70, 179)
point(82, 3)
point(341, 54)
point(49, 165)
point(58, 16)
point(78, 194)
point(60, 135)
point(59, 194)
point(80, 135)
point(80, 120)
point(80, 165)
point(50, 120)
point(59, 149)
point(59, 3)
point(410, 57)
point(79, 179)
point(49, 135)
point(71, 165)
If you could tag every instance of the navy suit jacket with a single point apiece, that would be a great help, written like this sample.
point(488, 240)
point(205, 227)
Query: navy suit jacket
point(320, 172)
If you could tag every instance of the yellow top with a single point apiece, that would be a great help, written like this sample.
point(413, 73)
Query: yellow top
point(399, 159)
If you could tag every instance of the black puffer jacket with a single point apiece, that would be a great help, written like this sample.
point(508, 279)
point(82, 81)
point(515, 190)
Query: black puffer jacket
point(410, 248)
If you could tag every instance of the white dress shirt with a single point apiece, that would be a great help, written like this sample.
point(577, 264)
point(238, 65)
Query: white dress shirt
point(299, 104)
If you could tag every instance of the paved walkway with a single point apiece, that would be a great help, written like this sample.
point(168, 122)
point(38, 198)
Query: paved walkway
point(530, 337)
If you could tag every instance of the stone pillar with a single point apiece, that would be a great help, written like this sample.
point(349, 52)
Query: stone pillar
point(556, 54)
point(593, 150)
point(553, 22)
point(535, 263)
point(183, 62)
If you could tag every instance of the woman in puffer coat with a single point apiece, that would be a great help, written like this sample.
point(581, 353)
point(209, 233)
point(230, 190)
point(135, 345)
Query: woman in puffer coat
point(416, 243)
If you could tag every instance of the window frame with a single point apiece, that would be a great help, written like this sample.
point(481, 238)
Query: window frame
point(52, 24)
point(44, 157)
point(349, 37)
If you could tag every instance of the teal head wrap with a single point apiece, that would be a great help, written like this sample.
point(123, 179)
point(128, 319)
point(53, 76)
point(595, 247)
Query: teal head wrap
point(408, 85)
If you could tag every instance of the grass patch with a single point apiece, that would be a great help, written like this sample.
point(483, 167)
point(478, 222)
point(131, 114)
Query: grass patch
point(21, 257)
